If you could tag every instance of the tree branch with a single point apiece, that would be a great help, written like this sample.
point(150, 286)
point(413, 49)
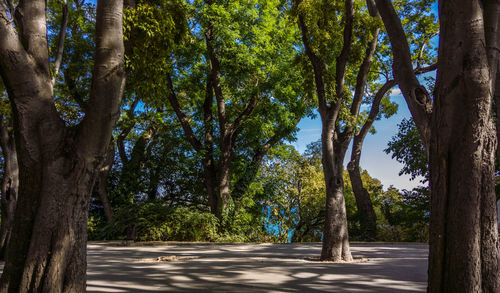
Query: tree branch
point(416, 96)
point(245, 113)
point(60, 43)
point(120, 140)
point(33, 31)
point(422, 48)
point(215, 76)
point(346, 48)
point(181, 116)
point(363, 74)
point(317, 64)
point(375, 107)
point(108, 80)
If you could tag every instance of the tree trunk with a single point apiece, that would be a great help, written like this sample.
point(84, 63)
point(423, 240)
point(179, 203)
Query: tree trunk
point(10, 185)
point(54, 247)
point(210, 180)
point(367, 218)
point(335, 234)
point(57, 164)
point(102, 182)
point(463, 238)
point(463, 229)
point(224, 180)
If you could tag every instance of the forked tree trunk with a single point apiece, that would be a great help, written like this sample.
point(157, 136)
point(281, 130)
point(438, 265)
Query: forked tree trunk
point(10, 185)
point(335, 234)
point(57, 164)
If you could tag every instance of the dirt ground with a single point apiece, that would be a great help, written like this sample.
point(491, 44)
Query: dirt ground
point(254, 268)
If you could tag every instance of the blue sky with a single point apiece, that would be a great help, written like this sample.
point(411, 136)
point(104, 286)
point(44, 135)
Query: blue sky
point(373, 159)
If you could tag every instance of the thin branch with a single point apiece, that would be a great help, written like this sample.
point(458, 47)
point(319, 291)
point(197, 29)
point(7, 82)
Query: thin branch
point(120, 140)
point(245, 113)
point(375, 108)
point(60, 43)
point(422, 48)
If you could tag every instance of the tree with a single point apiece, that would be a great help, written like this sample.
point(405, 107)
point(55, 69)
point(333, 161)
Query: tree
point(457, 131)
point(243, 86)
point(407, 148)
point(10, 174)
point(57, 163)
point(340, 95)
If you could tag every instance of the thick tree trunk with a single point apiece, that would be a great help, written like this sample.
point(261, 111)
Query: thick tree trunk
point(463, 240)
point(57, 164)
point(463, 231)
point(210, 180)
point(47, 253)
point(10, 185)
point(335, 234)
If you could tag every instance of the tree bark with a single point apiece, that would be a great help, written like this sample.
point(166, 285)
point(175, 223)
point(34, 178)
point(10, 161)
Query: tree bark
point(463, 229)
point(10, 185)
point(335, 234)
point(463, 254)
point(57, 164)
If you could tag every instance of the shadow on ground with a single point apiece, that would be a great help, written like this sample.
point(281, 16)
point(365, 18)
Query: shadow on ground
point(255, 268)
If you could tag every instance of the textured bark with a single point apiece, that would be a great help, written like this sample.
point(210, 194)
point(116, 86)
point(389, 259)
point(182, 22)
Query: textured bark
point(463, 237)
point(335, 235)
point(463, 254)
point(10, 185)
point(57, 164)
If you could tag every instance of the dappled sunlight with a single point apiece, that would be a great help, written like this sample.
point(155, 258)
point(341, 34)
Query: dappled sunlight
point(254, 268)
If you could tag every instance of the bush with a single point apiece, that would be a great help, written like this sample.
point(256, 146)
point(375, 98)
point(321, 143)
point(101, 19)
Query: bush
point(156, 221)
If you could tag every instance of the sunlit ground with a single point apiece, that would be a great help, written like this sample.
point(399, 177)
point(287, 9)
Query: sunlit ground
point(254, 268)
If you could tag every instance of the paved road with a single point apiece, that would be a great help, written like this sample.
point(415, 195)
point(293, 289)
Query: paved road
point(254, 268)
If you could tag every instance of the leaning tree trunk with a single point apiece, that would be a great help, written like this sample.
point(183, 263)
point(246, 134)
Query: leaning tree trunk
point(463, 229)
point(57, 164)
point(10, 185)
point(367, 218)
point(335, 234)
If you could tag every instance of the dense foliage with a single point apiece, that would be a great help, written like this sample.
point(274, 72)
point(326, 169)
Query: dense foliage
point(155, 184)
